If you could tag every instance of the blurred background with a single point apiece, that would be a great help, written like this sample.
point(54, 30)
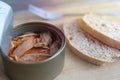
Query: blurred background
point(73, 65)
point(19, 5)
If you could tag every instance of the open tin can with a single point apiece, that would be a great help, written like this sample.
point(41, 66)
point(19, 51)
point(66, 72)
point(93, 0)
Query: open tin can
point(46, 69)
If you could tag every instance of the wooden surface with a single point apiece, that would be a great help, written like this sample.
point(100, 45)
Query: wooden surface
point(75, 68)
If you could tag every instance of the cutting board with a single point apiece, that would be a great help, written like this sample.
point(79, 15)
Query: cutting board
point(76, 68)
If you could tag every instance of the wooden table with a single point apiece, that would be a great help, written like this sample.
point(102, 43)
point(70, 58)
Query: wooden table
point(75, 68)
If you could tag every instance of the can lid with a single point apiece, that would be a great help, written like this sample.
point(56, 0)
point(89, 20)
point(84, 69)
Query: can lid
point(6, 15)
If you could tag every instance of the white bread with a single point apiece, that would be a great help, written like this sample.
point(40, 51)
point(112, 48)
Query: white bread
point(103, 30)
point(86, 46)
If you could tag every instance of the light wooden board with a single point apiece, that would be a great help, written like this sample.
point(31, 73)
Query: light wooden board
point(75, 68)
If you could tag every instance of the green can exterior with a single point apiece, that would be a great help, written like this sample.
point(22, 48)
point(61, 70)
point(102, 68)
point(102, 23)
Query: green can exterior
point(38, 71)
point(43, 70)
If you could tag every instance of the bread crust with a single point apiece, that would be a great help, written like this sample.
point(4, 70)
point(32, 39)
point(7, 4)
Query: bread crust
point(82, 55)
point(85, 57)
point(99, 35)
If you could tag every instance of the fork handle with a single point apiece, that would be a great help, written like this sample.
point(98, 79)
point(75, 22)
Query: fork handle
point(74, 13)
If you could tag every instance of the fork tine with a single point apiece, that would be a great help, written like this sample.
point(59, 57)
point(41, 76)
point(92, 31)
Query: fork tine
point(38, 11)
point(42, 13)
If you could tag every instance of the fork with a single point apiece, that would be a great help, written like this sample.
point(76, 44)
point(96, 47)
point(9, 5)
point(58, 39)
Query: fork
point(51, 15)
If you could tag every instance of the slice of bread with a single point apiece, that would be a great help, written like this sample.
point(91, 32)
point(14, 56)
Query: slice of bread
point(86, 46)
point(103, 30)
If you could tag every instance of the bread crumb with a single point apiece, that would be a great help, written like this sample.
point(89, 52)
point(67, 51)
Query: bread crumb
point(103, 25)
point(70, 38)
